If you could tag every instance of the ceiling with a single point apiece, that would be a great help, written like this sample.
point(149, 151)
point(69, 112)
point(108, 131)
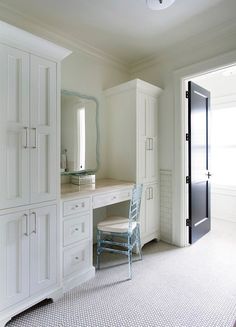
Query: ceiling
point(127, 29)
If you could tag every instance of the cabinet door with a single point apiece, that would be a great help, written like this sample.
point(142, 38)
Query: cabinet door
point(147, 139)
point(149, 215)
point(14, 123)
point(43, 248)
point(14, 258)
point(43, 130)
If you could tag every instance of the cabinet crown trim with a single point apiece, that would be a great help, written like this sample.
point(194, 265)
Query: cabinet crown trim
point(16, 37)
point(137, 84)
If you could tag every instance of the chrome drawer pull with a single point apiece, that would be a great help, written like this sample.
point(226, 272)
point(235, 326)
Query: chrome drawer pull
point(27, 225)
point(26, 137)
point(35, 223)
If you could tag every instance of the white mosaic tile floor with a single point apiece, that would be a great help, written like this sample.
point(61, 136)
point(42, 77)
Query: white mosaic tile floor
point(171, 287)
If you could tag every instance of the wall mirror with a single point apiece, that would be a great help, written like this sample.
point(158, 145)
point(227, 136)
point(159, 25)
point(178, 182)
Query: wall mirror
point(79, 133)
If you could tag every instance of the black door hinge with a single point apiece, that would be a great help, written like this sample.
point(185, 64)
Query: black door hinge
point(187, 179)
point(187, 137)
point(188, 222)
point(187, 94)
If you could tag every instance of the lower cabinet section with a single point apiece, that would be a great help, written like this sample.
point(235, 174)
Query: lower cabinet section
point(14, 258)
point(77, 242)
point(149, 213)
point(77, 258)
point(43, 248)
point(28, 254)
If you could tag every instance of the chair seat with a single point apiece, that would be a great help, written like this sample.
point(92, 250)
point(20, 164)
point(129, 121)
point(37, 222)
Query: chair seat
point(115, 225)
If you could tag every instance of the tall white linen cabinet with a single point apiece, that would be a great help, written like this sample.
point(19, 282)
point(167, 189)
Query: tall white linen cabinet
point(132, 110)
point(29, 170)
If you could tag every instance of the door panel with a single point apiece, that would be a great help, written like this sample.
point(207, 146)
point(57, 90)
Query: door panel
point(147, 169)
point(199, 187)
point(43, 130)
point(149, 211)
point(43, 248)
point(14, 259)
point(14, 123)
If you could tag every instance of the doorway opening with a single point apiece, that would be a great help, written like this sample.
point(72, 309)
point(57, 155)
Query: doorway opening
point(211, 188)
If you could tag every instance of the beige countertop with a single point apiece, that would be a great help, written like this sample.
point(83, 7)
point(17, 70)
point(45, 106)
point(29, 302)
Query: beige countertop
point(101, 185)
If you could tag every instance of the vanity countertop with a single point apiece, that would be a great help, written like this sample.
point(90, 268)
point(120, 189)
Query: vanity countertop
point(101, 185)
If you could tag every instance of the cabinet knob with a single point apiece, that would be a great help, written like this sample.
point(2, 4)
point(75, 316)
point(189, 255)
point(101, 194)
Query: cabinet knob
point(76, 258)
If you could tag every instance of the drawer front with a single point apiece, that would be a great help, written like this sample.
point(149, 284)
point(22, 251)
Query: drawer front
point(78, 205)
point(76, 229)
point(111, 198)
point(77, 259)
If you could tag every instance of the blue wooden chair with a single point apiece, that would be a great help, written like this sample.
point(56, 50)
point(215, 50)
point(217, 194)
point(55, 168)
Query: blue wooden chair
point(121, 228)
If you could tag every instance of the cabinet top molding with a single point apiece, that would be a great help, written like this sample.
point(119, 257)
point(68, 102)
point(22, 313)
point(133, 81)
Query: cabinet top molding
point(137, 84)
point(23, 40)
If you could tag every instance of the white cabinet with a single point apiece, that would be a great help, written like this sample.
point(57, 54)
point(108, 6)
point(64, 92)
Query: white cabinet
point(14, 127)
point(77, 241)
point(147, 159)
point(29, 169)
point(28, 165)
point(14, 258)
point(43, 129)
point(149, 213)
point(132, 110)
point(28, 247)
point(43, 248)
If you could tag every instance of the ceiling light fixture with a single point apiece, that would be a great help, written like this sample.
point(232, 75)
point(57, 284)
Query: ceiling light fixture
point(159, 4)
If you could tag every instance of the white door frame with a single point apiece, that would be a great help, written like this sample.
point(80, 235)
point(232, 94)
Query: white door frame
point(179, 212)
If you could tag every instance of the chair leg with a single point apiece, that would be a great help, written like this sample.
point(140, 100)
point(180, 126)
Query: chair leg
point(130, 257)
point(139, 243)
point(98, 248)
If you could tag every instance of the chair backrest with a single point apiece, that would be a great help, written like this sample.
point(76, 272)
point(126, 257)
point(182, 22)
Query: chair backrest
point(135, 204)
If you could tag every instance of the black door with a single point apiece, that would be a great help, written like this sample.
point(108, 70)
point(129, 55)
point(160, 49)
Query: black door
point(199, 221)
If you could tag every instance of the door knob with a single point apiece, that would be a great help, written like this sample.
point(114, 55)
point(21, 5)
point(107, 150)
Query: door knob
point(209, 174)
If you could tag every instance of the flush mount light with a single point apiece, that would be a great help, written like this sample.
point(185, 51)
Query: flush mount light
point(159, 4)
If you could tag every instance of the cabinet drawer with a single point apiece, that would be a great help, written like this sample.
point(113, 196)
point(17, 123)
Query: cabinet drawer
point(77, 205)
point(76, 259)
point(76, 229)
point(111, 198)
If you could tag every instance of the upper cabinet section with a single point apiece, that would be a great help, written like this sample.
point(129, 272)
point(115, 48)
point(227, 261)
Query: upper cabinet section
point(14, 127)
point(29, 117)
point(132, 130)
point(43, 159)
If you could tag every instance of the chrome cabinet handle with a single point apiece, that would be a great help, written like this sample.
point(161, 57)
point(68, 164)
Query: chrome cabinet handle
point(151, 143)
point(35, 138)
point(26, 137)
point(34, 231)
point(151, 192)
point(27, 225)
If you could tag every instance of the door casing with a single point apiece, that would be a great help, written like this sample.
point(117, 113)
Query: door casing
point(180, 192)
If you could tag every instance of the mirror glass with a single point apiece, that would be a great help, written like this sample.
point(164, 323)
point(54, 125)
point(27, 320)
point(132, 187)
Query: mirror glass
point(79, 133)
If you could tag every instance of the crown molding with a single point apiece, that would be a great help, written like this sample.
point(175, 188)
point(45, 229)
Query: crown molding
point(135, 84)
point(35, 26)
point(212, 35)
point(16, 37)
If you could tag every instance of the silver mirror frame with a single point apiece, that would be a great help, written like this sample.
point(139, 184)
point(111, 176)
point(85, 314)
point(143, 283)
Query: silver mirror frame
point(87, 97)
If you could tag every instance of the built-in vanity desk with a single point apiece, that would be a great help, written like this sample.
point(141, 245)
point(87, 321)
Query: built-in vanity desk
point(77, 204)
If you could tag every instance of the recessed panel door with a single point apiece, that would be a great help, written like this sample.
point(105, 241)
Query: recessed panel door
point(43, 248)
point(14, 127)
point(44, 167)
point(199, 175)
point(14, 259)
